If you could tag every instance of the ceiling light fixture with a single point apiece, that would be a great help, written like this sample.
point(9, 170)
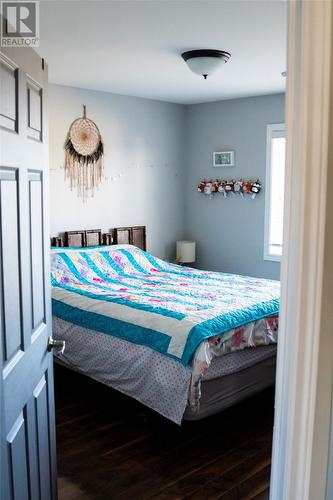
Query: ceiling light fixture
point(206, 61)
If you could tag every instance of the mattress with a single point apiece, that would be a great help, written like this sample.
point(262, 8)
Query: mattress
point(238, 361)
point(159, 382)
point(218, 394)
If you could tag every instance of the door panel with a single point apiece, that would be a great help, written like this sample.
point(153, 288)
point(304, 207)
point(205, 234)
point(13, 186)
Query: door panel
point(36, 245)
point(34, 103)
point(12, 334)
point(28, 467)
point(8, 105)
point(17, 446)
point(41, 410)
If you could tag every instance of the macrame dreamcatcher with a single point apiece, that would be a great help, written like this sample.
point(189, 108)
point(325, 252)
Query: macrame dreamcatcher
point(84, 156)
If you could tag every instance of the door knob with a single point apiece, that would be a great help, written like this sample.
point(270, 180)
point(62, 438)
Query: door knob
point(56, 344)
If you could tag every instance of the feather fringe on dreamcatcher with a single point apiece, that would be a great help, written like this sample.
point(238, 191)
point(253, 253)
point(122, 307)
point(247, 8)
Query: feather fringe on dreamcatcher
point(84, 156)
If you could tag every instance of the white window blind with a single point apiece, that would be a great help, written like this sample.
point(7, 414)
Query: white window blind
point(276, 151)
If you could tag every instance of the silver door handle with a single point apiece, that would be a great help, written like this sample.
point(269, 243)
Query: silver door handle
point(58, 344)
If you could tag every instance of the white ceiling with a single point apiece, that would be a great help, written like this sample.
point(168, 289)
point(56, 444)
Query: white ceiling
point(134, 47)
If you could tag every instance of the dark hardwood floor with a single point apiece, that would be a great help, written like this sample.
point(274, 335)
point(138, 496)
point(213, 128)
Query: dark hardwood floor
point(110, 447)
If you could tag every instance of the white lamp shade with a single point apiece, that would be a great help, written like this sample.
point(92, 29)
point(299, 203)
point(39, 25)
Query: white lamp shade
point(205, 65)
point(185, 251)
point(205, 61)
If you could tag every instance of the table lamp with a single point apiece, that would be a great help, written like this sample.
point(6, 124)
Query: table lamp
point(185, 252)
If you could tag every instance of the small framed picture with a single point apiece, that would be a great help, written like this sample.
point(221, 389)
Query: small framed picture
point(224, 158)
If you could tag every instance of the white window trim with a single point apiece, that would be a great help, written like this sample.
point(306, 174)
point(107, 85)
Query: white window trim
point(270, 130)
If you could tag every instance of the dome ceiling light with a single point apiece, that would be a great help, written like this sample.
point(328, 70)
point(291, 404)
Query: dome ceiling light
point(206, 61)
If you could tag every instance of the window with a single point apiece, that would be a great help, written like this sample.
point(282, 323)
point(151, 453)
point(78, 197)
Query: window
point(274, 200)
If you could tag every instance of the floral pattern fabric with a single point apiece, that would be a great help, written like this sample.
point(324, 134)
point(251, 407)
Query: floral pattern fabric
point(256, 334)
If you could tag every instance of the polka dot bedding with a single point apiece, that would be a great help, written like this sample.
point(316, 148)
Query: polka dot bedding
point(155, 380)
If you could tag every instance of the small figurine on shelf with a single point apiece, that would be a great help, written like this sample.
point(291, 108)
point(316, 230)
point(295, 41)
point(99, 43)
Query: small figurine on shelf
point(255, 188)
point(229, 187)
point(208, 188)
point(221, 188)
point(215, 186)
point(246, 186)
point(201, 186)
point(238, 187)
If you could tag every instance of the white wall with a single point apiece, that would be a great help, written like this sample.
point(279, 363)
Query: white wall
point(143, 142)
point(229, 232)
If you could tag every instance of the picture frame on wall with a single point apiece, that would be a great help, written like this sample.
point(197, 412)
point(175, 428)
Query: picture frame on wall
point(224, 158)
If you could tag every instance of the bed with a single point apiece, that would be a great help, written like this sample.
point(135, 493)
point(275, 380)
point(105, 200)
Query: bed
point(186, 343)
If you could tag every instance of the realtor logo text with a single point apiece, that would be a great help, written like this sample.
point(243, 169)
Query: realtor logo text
point(20, 24)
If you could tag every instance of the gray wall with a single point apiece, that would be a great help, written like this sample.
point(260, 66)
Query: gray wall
point(229, 232)
point(143, 142)
point(156, 153)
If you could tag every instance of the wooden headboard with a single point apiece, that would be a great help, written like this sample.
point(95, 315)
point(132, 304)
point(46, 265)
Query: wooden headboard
point(133, 235)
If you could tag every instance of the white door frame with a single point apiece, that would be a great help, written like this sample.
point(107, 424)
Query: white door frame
point(305, 353)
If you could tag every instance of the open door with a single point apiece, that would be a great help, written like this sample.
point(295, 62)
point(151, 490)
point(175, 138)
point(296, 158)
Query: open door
point(28, 459)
